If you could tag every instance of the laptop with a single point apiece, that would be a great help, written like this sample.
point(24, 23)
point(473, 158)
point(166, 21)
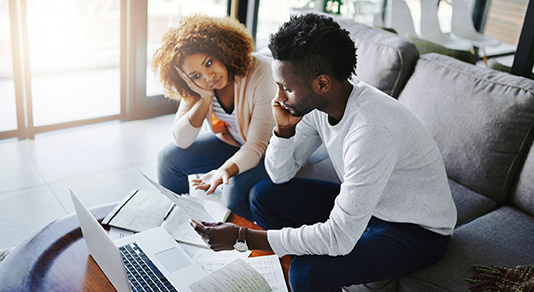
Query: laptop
point(165, 264)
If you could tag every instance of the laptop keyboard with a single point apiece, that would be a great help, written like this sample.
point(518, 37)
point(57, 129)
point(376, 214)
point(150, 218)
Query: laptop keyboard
point(143, 275)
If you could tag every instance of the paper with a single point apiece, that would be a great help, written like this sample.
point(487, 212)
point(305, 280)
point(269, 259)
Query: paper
point(193, 209)
point(139, 211)
point(143, 210)
point(179, 228)
point(237, 276)
point(271, 269)
point(168, 193)
point(268, 266)
point(213, 260)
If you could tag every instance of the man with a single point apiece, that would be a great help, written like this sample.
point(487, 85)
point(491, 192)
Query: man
point(393, 212)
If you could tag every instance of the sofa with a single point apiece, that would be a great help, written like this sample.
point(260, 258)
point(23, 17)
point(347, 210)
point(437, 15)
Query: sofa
point(482, 121)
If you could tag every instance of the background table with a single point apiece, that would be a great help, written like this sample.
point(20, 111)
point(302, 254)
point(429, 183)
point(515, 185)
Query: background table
point(56, 258)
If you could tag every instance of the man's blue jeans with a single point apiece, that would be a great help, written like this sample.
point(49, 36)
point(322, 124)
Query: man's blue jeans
point(207, 153)
point(385, 250)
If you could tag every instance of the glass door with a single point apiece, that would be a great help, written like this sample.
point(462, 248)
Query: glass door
point(74, 55)
point(8, 110)
point(65, 63)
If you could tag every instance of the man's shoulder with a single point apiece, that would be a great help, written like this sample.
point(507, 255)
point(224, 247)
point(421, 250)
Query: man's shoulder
point(363, 91)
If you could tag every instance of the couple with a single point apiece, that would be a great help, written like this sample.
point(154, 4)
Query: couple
point(392, 214)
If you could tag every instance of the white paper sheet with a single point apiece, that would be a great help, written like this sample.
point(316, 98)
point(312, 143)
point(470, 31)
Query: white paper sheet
point(237, 276)
point(270, 268)
point(194, 209)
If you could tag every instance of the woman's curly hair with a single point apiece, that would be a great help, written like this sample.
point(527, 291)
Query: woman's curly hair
point(223, 38)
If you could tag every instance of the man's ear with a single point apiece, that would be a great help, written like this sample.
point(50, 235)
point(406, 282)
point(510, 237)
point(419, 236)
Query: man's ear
point(322, 84)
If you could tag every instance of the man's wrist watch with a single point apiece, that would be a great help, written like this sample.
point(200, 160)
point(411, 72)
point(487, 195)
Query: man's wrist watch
point(241, 242)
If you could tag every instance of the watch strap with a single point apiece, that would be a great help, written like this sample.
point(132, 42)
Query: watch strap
point(242, 234)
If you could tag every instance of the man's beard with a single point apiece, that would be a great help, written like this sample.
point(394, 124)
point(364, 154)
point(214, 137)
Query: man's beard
point(305, 107)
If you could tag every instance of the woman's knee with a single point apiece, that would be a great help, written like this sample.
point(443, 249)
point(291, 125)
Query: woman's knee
point(235, 198)
point(166, 156)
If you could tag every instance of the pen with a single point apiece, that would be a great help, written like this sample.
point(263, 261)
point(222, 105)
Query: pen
point(169, 211)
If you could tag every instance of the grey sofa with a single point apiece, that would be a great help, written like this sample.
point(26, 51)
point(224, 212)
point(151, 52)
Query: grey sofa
point(483, 123)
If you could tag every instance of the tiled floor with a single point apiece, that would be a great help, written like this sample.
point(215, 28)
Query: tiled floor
point(99, 162)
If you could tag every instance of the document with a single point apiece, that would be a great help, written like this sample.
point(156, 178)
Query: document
point(237, 276)
point(142, 210)
point(268, 266)
point(212, 260)
point(193, 209)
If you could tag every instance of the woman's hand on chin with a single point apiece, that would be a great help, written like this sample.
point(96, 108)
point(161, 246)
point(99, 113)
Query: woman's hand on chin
point(205, 94)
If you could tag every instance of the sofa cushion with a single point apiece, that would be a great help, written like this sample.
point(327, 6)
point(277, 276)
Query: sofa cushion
point(481, 120)
point(385, 60)
point(469, 204)
point(500, 238)
point(523, 195)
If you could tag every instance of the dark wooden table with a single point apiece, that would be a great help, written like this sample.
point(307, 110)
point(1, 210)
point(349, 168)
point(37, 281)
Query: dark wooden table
point(56, 259)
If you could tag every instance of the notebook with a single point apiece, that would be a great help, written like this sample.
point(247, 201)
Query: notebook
point(166, 263)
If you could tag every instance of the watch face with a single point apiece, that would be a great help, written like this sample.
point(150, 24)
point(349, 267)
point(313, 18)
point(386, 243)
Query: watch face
point(241, 246)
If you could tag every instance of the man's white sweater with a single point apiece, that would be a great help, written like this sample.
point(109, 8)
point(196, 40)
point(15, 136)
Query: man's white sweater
point(389, 166)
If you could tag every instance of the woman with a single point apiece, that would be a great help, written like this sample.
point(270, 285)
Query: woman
point(207, 63)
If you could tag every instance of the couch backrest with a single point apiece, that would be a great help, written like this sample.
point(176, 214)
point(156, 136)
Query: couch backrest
point(481, 120)
point(523, 195)
point(385, 60)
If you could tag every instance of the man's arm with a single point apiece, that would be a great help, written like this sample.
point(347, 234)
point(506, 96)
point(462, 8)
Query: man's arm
point(367, 169)
point(294, 140)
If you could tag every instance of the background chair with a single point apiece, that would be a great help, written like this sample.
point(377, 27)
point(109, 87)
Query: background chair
point(401, 19)
point(431, 31)
point(402, 23)
point(462, 26)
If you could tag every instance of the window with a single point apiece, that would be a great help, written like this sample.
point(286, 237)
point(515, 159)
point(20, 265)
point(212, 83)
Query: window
point(505, 20)
point(74, 56)
point(66, 63)
point(8, 117)
point(271, 14)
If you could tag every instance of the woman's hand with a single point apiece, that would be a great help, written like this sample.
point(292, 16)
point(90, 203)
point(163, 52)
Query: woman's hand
point(206, 94)
point(219, 236)
point(211, 180)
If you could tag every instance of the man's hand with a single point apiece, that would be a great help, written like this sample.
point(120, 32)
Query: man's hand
point(285, 122)
point(211, 180)
point(219, 236)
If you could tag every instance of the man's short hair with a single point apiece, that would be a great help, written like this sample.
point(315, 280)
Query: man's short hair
point(315, 44)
